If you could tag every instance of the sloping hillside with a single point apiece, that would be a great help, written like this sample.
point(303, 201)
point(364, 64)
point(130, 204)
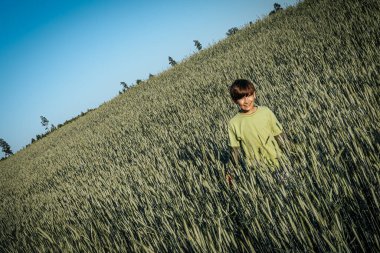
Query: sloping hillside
point(145, 171)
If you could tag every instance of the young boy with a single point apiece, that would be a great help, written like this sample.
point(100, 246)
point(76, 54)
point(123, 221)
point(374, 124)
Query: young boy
point(255, 129)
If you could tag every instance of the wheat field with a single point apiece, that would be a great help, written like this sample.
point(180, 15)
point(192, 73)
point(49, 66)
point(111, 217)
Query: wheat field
point(144, 172)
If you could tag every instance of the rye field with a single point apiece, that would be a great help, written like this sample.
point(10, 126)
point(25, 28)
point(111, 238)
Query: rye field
point(144, 172)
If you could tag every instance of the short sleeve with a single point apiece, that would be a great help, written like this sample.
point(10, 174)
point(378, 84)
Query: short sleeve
point(234, 142)
point(275, 125)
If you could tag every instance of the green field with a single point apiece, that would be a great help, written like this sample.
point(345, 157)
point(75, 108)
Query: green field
point(144, 172)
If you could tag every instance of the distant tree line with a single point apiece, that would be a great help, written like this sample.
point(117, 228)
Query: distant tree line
point(127, 87)
point(276, 8)
point(45, 124)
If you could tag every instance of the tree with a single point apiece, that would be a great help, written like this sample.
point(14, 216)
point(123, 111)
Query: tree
point(138, 81)
point(125, 86)
point(151, 75)
point(172, 62)
point(5, 147)
point(277, 7)
point(45, 122)
point(198, 45)
point(232, 31)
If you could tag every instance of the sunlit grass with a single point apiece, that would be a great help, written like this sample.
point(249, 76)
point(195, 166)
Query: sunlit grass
point(145, 171)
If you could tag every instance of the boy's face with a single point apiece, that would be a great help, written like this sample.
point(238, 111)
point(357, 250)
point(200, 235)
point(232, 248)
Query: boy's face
point(246, 103)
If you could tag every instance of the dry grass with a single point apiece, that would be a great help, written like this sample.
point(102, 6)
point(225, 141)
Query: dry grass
point(144, 172)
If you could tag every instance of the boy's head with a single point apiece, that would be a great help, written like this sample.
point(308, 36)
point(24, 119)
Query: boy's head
point(243, 93)
point(241, 88)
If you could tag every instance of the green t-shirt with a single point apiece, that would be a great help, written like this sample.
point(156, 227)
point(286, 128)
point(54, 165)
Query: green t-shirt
point(255, 133)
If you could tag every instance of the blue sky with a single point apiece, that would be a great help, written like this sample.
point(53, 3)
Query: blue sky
point(59, 58)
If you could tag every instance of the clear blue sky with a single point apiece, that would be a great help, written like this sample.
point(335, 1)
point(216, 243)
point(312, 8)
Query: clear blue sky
point(59, 58)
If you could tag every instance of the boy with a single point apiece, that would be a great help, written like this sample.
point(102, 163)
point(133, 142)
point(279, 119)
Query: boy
point(255, 129)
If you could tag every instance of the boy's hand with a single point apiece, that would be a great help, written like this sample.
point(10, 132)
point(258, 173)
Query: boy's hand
point(229, 180)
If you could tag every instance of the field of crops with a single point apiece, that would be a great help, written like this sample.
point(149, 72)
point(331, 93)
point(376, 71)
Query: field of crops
point(145, 171)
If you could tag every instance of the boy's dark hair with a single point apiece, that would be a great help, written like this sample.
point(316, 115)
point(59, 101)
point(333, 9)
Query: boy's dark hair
point(241, 88)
